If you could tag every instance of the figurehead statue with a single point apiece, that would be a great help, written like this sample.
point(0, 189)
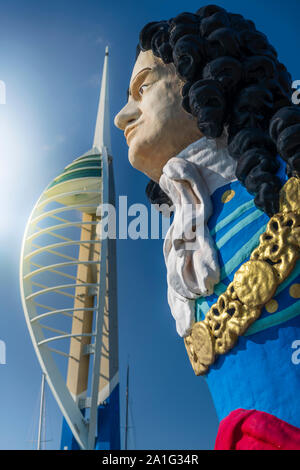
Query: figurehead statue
point(210, 121)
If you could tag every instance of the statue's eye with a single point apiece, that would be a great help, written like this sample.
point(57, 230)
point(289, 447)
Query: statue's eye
point(141, 89)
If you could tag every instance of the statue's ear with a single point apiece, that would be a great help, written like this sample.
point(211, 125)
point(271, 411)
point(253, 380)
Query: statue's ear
point(156, 195)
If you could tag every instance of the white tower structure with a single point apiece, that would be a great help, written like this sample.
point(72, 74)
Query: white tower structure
point(68, 288)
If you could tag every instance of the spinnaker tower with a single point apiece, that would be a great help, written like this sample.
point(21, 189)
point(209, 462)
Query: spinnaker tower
point(69, 292)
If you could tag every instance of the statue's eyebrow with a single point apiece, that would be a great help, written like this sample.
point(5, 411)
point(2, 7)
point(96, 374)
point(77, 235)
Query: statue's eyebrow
point(148, 69)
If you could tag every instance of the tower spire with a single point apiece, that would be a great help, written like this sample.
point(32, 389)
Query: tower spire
point(102, 129)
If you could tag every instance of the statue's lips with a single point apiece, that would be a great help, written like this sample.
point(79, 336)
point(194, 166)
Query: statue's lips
point(128, 133)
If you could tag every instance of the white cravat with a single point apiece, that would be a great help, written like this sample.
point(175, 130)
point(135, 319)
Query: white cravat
point(189, 179)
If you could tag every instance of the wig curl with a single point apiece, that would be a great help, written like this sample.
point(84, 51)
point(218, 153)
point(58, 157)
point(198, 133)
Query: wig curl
point(232, 78)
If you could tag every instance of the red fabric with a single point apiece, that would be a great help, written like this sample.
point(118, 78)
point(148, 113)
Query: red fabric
point(256, 430)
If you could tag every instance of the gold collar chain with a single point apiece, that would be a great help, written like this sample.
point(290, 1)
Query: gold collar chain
point(254, 284)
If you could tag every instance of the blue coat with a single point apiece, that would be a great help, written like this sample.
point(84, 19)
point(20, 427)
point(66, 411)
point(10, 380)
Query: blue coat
point(260, 372)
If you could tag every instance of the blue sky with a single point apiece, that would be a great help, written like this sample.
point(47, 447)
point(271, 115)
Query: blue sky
point(51, 60)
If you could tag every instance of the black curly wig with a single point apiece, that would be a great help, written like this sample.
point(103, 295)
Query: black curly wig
point(232, 78)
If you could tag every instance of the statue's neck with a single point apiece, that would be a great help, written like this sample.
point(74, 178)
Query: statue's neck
point(212, 156)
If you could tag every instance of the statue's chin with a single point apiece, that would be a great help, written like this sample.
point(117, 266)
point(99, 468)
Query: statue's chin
point(147, 159)
point(137, 161)
point(134, 160)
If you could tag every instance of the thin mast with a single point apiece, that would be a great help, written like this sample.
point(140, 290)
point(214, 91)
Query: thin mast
point(41, 412)
point(102, 129)
point(127, 401)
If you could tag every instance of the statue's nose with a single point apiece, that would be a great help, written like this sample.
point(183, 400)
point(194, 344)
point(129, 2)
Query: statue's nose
point(128, 114)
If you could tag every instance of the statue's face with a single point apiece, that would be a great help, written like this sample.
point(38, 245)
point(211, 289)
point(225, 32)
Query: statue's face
point(155, 125)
